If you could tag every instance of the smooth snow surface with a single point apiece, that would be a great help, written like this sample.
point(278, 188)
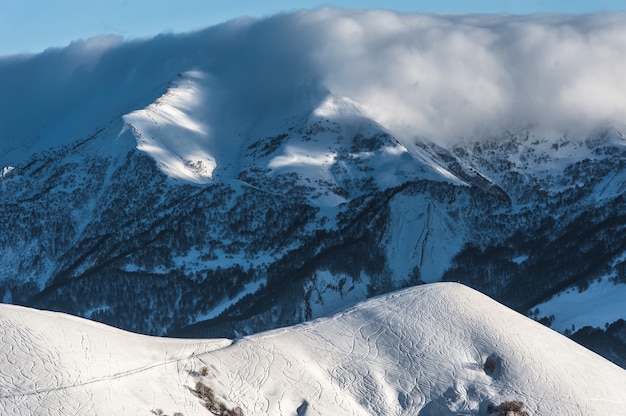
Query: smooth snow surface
point(600, 304)
point(419, 351)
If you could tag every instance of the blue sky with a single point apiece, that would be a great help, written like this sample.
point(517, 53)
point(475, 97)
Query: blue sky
point(28, 26)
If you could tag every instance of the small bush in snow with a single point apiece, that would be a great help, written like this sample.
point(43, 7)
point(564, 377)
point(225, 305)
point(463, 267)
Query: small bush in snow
point(216, 407)
point(510, 408)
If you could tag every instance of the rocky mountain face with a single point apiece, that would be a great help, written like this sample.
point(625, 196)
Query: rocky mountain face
point(329, 210)
point(229, 181)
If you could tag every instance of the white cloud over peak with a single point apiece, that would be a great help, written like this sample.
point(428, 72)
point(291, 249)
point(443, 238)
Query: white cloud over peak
point(445, 76)
point(438, 76)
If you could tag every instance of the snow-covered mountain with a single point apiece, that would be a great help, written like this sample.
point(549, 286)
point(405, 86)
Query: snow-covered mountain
point(242, 178)
point(438, 349)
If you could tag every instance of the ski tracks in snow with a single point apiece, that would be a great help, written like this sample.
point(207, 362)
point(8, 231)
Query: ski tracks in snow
point(433, 350)
point(259, 375)
point(77, 374)
point(392, 365)
point(382, 363)
point(32, 380)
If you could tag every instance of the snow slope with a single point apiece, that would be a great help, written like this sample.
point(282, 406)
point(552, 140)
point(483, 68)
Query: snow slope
point(601, 304)
point(420, 351)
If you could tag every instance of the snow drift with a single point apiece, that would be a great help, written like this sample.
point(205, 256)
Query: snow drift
point(439, 349)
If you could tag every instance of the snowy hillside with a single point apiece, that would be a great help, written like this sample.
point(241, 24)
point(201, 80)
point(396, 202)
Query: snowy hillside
point(440, 349)
point(241, 178)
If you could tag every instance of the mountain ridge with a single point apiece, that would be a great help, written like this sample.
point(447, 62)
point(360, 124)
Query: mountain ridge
point(168, 184)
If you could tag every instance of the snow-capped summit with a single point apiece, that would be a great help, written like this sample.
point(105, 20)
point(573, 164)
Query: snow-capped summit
point(173, 130)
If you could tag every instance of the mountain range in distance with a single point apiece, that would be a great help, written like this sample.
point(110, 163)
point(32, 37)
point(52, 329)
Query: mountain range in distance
point(231, 181)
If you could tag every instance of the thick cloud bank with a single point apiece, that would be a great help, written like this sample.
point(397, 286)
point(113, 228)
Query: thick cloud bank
point(448, 76)
point(439, 76)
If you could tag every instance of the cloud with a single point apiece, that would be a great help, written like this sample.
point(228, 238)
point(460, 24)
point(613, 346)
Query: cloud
point(438, 76)
point(446, 76)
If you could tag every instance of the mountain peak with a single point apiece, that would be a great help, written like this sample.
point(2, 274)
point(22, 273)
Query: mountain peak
point(336, 106)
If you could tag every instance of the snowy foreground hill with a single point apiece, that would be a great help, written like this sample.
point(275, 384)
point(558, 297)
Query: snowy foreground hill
point(437, 349)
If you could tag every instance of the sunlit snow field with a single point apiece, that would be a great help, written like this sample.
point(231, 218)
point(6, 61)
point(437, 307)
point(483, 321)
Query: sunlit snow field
point(421, 351)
